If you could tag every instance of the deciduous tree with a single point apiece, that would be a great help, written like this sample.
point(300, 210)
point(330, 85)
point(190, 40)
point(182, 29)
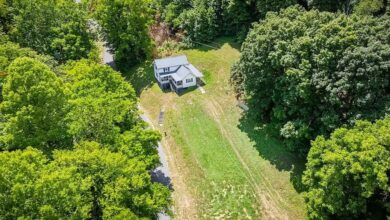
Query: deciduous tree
point(87, 182)
point(125, 26)
point(349, 172)
point(34, 107)
point(309, 73)
point(58, 28)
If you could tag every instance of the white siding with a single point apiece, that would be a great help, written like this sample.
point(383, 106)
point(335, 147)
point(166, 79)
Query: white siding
point(189, 84)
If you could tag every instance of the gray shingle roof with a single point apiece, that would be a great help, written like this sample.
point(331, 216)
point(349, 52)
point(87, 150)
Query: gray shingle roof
point(181, 73)
point(171, 61)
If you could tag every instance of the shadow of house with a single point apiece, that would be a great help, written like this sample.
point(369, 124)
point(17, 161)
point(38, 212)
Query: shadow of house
point(272, 149)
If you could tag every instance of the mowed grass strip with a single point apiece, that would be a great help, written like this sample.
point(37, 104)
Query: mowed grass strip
point(217, 176)
point(223, 167)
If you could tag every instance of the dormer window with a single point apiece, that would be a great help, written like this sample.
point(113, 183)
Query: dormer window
point(166, 69)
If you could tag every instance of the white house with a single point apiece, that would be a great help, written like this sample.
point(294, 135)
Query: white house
point(176, 73)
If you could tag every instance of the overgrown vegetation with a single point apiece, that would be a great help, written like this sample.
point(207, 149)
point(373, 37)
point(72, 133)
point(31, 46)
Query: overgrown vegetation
point(203, 20)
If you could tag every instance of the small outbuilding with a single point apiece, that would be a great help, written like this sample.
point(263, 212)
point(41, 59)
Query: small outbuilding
point(176, 73)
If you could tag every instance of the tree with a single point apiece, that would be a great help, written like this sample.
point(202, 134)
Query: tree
point(367, 7)
point(200, 23)
point(125, 26)
point(204, 20)
point(102, 103)
point(18, 172)
point(349, 171)
point(58, 28)
point(10, 51)
point(34, 107)
point(110, 183)
point(308, 73)
point(87, 182)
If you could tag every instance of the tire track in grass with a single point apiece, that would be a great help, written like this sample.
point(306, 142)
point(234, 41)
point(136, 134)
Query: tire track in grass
point(272, 211)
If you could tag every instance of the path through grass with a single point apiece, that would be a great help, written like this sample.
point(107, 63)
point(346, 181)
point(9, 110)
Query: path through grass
point(219, 169)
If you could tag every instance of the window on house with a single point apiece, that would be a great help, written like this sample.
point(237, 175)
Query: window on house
point(165, 78)
point(179, 83)
point(189, 80)
point(166, 69)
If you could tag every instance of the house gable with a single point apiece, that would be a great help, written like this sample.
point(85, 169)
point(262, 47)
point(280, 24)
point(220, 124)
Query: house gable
point(176, 73)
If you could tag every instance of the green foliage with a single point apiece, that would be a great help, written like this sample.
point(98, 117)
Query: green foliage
point(6, 15)
point(18, 171)
point(367, 7)
point(57, 28)
point(349, 171)
point(103, 108)
point(200, 23)
point(10, 51)
point(265, 6)
point(311, 72)
point(101, 102)
point(34, 107)
point(88, 182)
point(168, 48)
point(125, 26)
point(203, 20)
point(105, 180)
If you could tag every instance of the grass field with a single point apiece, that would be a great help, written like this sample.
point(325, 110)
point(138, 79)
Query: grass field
point(222, 165)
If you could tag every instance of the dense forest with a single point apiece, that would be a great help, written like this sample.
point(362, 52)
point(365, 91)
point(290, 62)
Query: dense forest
point(72, 143)
point(74, 146)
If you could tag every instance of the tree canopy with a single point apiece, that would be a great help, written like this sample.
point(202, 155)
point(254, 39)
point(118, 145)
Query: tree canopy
point(348, 174)
point(309, 73)
point(58, 28)
point(89, 182)
point(34, 107)
point(125, 26)
point(368, 7)
point(203, 20)
point(92, 153)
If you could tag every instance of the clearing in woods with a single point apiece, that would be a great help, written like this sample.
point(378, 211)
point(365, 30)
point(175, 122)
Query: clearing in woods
point(222, 166)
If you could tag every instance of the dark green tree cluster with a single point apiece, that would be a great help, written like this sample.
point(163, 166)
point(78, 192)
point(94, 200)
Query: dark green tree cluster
point(368, 7)
point(348, 174)
point(125, 27)
point(203, 20)
point(309, 73)
point(74, 146)
point(57, 28)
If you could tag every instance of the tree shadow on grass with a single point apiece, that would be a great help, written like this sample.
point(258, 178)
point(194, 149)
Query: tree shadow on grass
point(272, 149)
point(140, 76)
point(216, 44)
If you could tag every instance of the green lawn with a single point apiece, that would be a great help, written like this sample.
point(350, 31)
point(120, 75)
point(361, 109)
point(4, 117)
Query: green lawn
point(222, 165)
